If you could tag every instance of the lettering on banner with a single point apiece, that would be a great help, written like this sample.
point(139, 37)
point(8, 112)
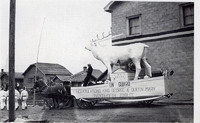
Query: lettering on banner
point(123, 84)
point(131, 94)
point(150, 89)
point(95, 91)
point(137, 89)
point(146, 89)
point(104, 95)
point(106, 90)
point(81, 91)
point(116, 90)
point(119, 77)
point(123, 95)
point(111, 84)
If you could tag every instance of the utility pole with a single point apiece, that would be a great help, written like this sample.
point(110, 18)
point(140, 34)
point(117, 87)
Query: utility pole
point(12, 62)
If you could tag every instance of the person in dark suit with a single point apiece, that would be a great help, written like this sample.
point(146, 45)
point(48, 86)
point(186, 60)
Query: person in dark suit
point(89, 73)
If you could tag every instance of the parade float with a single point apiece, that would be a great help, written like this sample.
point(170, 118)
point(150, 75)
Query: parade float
point(121, 86)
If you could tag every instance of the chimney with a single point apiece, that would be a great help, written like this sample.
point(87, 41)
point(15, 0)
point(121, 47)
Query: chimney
point(84, 68)
point(2, 70)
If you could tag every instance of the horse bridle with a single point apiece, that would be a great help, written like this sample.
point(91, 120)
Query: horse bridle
point(43, 87)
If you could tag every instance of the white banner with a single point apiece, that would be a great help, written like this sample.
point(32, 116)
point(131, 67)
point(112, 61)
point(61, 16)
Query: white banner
point(130, 89)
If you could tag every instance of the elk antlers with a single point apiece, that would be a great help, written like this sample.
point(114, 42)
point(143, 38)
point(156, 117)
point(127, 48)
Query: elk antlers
point(104, 38)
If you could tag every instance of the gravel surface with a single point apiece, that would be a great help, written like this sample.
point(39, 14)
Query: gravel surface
point(158, 112)
point(31, 113)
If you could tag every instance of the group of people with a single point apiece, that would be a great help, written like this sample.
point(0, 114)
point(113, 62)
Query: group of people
point(23, 94)
point(4, 98)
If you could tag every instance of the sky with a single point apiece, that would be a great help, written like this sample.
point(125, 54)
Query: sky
point(63, 28)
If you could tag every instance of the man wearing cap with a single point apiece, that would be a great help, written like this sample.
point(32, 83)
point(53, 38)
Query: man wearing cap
point(24, 97)
point(89, 73)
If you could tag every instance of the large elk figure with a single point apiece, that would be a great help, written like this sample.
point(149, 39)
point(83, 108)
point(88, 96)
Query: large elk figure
point(110, 55)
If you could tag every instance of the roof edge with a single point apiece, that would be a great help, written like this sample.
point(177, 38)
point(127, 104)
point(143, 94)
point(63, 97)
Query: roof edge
point(34, 64)
point(107, 7)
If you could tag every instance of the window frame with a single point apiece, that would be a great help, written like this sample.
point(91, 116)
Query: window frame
point(30, 80)
point(182, 14)
point(51, 78)
point(128, 25)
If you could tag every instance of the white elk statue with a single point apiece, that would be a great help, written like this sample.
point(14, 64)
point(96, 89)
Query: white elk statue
point(110, 55)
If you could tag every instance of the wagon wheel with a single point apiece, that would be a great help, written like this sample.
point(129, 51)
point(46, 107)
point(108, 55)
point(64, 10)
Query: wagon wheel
point(147, 102)
point(49, 103)
point(84, 104)
point(92, 103)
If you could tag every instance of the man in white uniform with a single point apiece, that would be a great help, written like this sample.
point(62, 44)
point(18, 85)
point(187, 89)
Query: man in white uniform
point(24, 97)
point(2, 98)
point(17, 96)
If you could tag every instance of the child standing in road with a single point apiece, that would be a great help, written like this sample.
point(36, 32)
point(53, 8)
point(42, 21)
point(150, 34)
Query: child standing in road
point(17, 95)
point(2, 98)
point(24, 97)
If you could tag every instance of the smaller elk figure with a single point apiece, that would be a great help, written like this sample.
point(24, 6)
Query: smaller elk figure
point(111, 55)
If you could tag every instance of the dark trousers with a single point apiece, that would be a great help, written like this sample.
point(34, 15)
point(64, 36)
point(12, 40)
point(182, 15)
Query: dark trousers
point(86, 80)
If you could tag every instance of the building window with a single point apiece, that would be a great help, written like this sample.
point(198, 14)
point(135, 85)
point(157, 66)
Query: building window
point(51, 78)
point(30, 80)
point(187, 14)
point(134, 25)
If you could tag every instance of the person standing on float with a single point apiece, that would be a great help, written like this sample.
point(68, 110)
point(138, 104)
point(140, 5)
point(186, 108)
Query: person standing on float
point(89, 74)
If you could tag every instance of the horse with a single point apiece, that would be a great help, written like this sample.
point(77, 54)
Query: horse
point(56, 92)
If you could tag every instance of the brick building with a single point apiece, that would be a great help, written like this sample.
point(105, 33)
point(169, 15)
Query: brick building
point(168, 28)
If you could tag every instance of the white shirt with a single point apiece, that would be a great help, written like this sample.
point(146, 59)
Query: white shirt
point(24, 94)
point(17, 95)
point(2, 94)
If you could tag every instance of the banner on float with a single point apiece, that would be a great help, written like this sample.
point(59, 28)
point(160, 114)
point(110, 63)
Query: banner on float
point(130, 89)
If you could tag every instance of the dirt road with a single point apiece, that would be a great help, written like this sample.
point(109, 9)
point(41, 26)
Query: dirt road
point(108, 113)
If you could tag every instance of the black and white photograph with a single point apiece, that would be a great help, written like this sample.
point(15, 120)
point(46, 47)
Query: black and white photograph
point(99, 61)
